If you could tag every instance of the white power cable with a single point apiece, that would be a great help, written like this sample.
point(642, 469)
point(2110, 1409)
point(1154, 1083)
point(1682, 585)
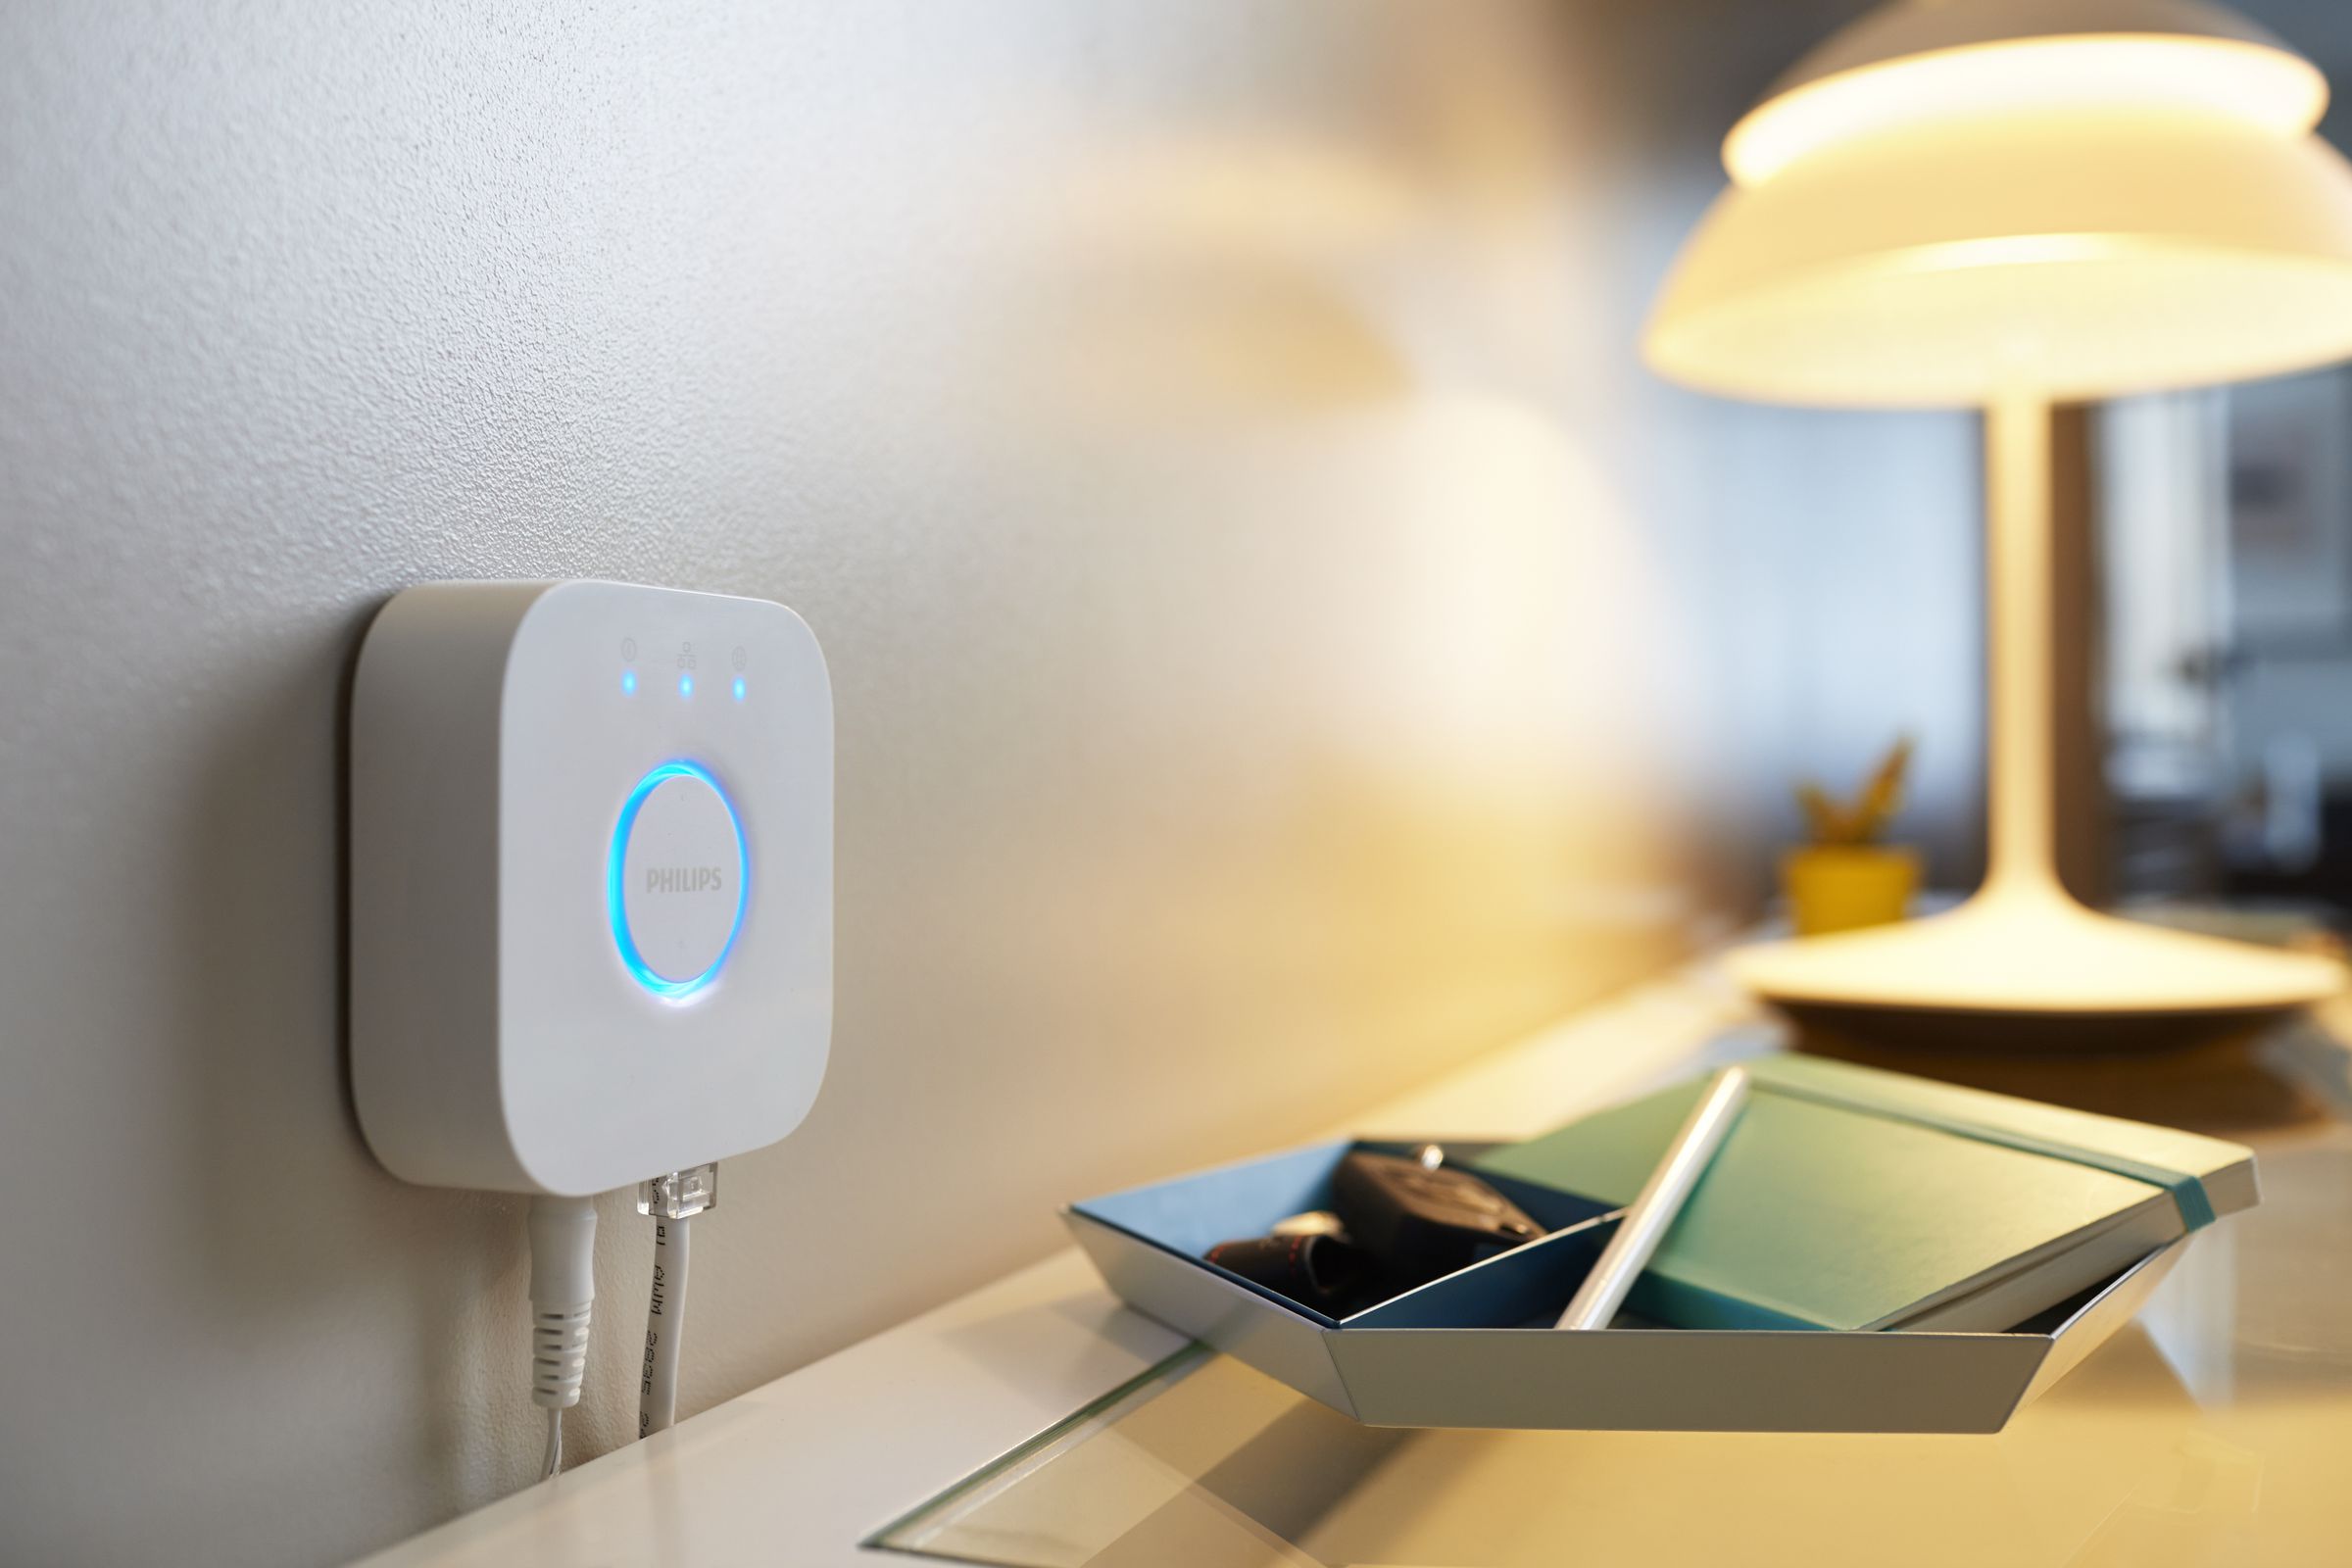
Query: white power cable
point(563, 1233)
point(672, 1201)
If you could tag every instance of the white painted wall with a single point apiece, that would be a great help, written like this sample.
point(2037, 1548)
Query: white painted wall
point(1283, 644)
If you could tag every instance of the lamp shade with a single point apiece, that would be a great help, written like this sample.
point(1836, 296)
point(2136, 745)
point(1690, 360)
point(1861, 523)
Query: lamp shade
point(2078, 214)
point(1925, 60)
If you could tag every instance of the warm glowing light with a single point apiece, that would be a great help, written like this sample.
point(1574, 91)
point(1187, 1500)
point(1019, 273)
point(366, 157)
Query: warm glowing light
point(2263, 88)
point(2080, 255)
point(2000, 204)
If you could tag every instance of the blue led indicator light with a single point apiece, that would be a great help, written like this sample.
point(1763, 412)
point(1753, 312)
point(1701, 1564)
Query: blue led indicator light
point(628, 683)
point(739, 687)
point(685, 685)
point(616, 909)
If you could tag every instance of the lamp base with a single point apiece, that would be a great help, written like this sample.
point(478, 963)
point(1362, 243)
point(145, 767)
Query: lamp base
point(2028, 969)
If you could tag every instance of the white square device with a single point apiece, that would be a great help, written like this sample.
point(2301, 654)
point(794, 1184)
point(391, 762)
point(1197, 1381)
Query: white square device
point(591, 882)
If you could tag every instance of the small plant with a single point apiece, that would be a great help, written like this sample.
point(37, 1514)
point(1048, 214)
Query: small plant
point(1864, 820)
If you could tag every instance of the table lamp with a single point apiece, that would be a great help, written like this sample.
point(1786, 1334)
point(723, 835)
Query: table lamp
point(2004, 204)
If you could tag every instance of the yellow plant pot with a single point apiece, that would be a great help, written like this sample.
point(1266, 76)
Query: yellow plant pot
point(1844, 887)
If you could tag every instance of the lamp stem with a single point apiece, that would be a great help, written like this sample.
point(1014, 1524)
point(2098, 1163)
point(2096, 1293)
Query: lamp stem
point(2020, 716)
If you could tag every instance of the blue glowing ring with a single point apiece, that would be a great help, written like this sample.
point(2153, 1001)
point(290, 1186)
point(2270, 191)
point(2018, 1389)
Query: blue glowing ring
point(615, 903)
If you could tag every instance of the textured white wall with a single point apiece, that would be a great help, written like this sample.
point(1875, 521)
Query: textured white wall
point(1281, 645)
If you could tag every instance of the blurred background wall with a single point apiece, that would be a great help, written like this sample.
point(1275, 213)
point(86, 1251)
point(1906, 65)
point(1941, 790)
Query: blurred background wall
point(2220, 616)
point(1283, 643)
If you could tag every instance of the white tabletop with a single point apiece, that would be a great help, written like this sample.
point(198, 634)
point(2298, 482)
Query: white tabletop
point(800, 1471)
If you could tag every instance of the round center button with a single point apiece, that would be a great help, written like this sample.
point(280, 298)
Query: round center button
point(675, 879)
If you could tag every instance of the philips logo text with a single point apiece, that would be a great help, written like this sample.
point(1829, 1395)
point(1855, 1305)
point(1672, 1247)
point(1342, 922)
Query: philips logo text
point(683, 879)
